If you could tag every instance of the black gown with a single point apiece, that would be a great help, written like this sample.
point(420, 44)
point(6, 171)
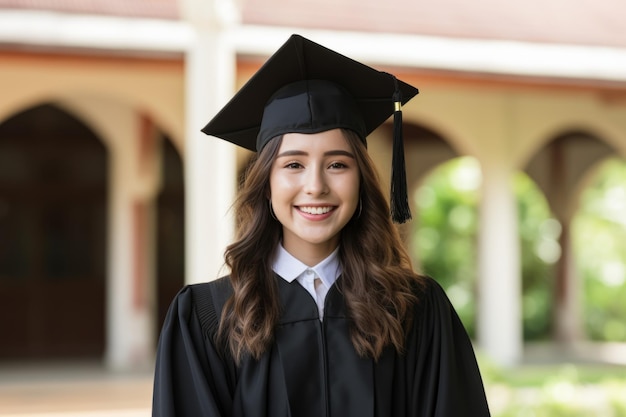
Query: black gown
point(312, 369)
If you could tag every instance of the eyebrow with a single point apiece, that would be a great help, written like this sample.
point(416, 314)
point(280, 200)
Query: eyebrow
point(295, 152)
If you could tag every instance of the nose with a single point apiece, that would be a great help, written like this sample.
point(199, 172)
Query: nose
point(315, 182)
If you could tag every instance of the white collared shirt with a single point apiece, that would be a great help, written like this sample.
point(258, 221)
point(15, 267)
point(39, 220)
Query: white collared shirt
point(289, 268)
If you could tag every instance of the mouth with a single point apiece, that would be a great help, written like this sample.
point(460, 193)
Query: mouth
point(316, 210)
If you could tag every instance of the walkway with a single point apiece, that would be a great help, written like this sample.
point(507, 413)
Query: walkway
point(73, 390)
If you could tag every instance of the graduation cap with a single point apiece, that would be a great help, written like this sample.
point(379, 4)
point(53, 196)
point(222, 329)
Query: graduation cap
point(305, 87)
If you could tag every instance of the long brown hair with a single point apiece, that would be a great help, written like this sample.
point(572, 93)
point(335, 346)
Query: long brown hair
point(377, 279)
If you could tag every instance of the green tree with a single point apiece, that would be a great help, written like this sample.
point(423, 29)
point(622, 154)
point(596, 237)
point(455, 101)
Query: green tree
point(599, 239)
point(445, 232)
point(539, 233)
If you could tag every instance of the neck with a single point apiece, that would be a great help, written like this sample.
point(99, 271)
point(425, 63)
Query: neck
point(310, 254)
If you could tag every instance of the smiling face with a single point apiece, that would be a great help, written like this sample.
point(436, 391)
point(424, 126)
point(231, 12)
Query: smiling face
point(314, 185)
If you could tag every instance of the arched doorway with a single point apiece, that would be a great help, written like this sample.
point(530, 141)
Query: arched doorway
point(53, 175)
point(558, 170)
point(170, 257)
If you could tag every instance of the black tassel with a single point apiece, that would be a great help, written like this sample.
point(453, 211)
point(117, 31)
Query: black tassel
point(400, 211)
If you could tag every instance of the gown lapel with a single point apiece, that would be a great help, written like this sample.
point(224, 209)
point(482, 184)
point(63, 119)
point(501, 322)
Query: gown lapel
point(323, 375)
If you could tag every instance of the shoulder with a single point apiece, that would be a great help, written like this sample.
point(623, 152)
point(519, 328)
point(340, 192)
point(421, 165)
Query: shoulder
point(212, 293)
point(203, 292)
point(434, 313)
point(206, 301)
point(425, 287)
point(431, 297)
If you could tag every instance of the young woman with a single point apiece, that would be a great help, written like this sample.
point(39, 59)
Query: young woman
point(322, 313)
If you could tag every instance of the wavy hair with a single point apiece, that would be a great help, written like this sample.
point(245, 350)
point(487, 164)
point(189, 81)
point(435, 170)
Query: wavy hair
point(378, 282)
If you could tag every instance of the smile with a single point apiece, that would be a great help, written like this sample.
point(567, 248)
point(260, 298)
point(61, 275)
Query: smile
point(315, 210)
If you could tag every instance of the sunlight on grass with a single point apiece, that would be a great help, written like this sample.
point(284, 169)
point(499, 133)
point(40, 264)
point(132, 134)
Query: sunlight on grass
point(563, 390)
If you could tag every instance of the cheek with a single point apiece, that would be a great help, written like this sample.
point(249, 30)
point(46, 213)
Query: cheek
point(355, 196)
point(275, 181)
point(350, 190)
point(281, 186)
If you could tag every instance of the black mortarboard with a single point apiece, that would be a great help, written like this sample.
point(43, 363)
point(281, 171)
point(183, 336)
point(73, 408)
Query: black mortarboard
point(307, 88)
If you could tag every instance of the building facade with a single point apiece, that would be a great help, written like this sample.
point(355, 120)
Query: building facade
point(111, 199)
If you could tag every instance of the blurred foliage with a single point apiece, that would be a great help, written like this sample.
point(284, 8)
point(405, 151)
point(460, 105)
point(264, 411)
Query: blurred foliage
point(445, 245)
point(555, 391)
point(599, 239)
point(444, 242)
point(540, 250)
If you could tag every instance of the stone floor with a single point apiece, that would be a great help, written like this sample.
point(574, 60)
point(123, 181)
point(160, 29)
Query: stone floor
point(73, 390)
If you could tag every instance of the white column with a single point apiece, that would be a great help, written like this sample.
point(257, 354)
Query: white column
point(130, 318)
point(210, 168)
point(499, 281)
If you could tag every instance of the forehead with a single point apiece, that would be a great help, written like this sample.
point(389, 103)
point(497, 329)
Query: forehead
point(322, 141)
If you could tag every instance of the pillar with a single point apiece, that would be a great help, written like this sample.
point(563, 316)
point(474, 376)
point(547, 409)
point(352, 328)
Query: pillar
point(567, 327)
point(130, 282)
point(210, 168)
point(499, 281)
point(567, 320)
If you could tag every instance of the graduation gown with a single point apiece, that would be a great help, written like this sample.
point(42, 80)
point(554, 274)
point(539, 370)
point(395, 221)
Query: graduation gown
point(312, 369)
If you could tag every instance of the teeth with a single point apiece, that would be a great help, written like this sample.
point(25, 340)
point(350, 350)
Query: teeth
point(316, 210)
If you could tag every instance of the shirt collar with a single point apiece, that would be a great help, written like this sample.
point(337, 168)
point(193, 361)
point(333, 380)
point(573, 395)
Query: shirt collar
point(289, 268)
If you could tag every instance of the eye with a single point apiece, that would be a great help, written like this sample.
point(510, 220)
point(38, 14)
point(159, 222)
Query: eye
point(293, 165)
point(337, 165)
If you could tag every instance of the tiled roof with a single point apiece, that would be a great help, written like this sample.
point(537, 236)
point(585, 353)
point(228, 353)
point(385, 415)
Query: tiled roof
point(581, 22)
point(165, 9)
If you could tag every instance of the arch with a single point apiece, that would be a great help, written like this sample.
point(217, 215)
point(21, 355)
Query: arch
point(559, 169)
point(151, 87)
point(96, 110)
point(597, 129)
point(424, 148)
point(560, 166)
point(170, 229)
point(53, 180)
point(453, 135)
